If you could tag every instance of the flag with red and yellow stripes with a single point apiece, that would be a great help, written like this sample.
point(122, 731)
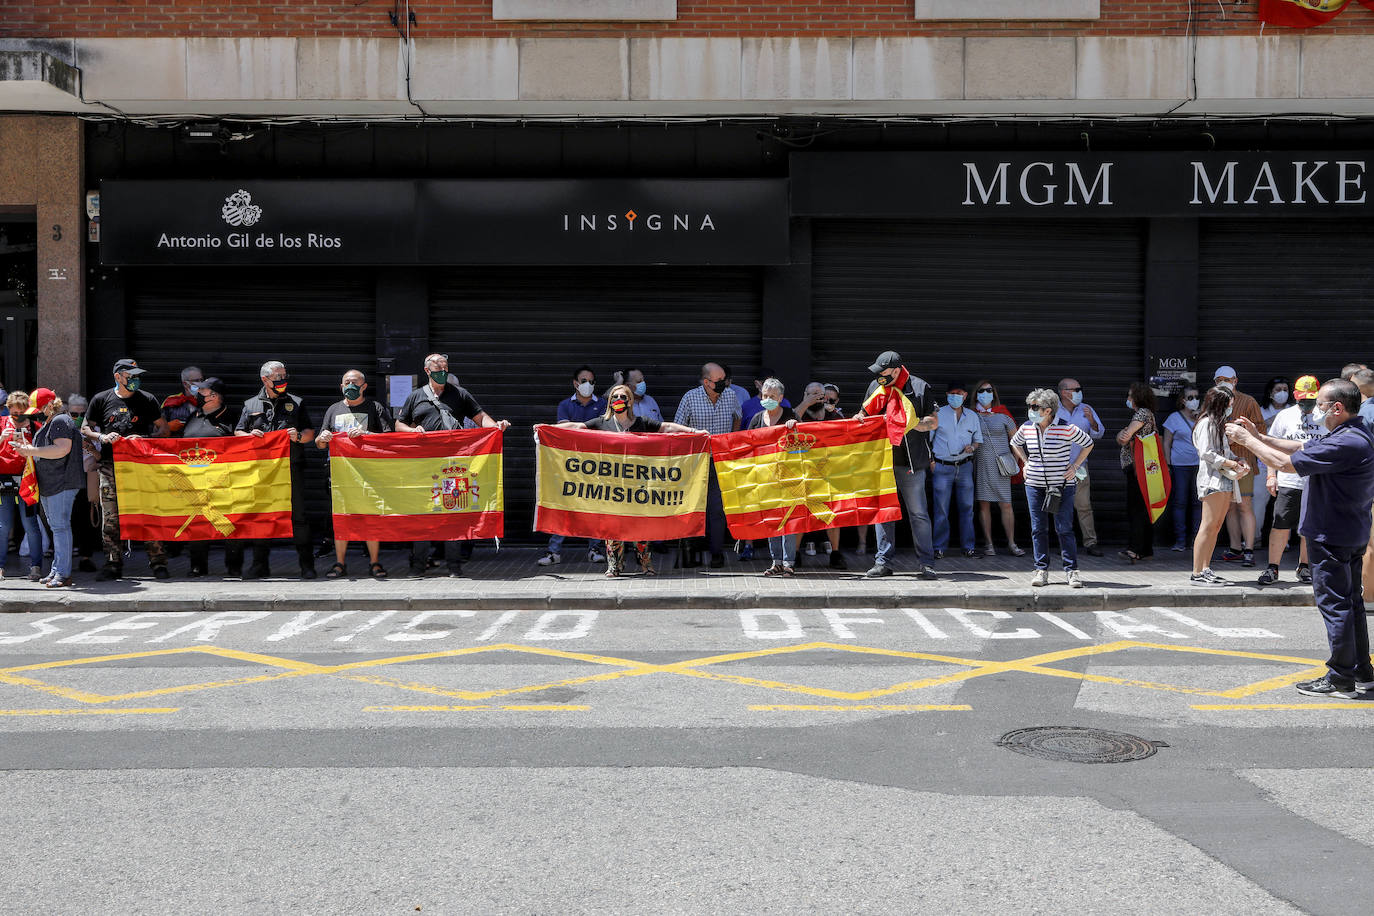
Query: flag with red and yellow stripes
point(621, 486)
point(892, 404)
point(204, 489)
point(1303, 14)
point(829, 474)
point(437, 486)
point(1152, 474)
point(28, 483)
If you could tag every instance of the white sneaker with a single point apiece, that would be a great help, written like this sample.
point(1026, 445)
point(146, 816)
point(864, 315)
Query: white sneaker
point(594, 557)
point(1364, 686)
point(549, 559)
point(1042, 577)
point(810, 548)
point(1074, 580)
point(989, 551)
point(828, 548)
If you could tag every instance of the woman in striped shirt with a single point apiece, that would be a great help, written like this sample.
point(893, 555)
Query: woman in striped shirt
point(1045, 446)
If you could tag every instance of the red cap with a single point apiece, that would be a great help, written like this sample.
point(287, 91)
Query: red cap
point(40, 398)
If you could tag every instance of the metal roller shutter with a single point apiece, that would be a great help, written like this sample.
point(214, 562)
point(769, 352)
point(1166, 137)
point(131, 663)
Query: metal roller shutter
point(1285, 297)
point(514, 336)
point(1023, 302)
point(320, 323)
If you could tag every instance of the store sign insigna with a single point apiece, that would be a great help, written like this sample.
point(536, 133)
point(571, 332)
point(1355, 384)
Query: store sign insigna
point(555, 222)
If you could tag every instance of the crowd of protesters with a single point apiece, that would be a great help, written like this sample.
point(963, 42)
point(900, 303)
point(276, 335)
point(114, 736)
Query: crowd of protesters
point(965, 454)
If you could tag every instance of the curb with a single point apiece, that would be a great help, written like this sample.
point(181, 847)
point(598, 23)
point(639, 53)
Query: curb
point(1050, 599)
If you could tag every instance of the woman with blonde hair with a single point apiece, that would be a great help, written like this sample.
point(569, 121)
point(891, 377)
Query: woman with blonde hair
point(17, 429)
point(620, 418)
point(57, 463)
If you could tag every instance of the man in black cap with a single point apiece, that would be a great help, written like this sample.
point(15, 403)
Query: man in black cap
point(210, 418)
point(124, 411)
point(910, 460)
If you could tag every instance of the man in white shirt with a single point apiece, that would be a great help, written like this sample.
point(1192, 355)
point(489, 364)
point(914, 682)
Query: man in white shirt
point(1297, 424)
point(1073, 410)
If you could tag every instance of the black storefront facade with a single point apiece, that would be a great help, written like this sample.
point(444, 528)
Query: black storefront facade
point(1018, 265)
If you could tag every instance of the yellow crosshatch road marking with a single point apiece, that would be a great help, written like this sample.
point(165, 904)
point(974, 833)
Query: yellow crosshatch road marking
point(532, 707)
point(1318, 706)
point(968, 668)
point(884, 707)
point(89, 712)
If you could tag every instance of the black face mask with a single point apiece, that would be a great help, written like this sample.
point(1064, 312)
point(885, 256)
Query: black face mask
point(1306, 404)
point(719, 385)
point(885, 380)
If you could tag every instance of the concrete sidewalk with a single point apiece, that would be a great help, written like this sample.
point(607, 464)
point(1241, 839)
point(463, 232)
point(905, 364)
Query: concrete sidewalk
point(509, 579)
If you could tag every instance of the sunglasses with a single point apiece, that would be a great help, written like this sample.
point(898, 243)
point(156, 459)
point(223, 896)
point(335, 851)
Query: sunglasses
point(1073, 389)
point(985, 391)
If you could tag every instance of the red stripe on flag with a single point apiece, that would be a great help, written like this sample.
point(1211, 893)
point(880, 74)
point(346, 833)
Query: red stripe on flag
point(454, 443)
point(456, 526)
point(266, 525)
point(868, 510)
point(620, 527)
point(226, 449)
point(599, 443)
point(1292, 15)
point(753, 443)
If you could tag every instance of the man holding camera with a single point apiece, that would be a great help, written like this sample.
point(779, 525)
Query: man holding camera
point(122, 412)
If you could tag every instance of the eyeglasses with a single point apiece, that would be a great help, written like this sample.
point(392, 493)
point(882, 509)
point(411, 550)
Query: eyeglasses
point(1071, 390)
point(832, 401)
point(76, 413)
point(985, 391)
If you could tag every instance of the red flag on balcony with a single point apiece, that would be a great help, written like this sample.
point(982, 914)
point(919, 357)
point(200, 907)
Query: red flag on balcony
point(1303, 14)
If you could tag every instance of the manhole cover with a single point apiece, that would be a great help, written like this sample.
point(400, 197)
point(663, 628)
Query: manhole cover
point(1078, 745)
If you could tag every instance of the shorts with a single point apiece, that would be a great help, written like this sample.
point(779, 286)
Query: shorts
point(1226, 486)
point(1287, 509)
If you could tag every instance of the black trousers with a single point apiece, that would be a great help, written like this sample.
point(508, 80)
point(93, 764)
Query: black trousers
point(1141, 539)
point(300, 530)
point(1339, 590)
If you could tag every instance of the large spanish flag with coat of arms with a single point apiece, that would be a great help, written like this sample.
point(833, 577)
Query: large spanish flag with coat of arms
point(436, 486)
point(1152, 474)
point(829, 474)
point(204, 489)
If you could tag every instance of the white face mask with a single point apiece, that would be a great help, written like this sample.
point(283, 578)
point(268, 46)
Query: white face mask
point(1319, 416)
point(1192, 403)
point(1280, 397)
point(585, 389)
point(1229, 386)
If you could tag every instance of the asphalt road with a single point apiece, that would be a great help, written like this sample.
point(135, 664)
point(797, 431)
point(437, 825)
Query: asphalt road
point(675, 761)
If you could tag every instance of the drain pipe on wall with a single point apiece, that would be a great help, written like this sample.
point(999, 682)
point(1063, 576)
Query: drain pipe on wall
point(410, 20)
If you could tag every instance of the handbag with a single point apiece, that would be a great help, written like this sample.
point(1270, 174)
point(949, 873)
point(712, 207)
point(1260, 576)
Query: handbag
point(1007, 465)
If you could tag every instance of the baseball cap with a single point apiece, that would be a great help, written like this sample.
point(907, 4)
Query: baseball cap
point(128, 365)
point(1225, 372)
point(213, 384)
point(1306, 388)
point(956, 386)
point(40, 398)
point(888, 359)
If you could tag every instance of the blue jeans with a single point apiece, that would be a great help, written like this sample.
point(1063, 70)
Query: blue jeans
point(59, 512)
point(556, 544)
point(1183, 502)
point(783, 549)
point(10, 505)
point(960, 480)
point(1063, 526)
point(911, 489)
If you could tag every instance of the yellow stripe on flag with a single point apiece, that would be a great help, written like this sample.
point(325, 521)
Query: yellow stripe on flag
point(232, 488)
point(574, 481)
point(822, 475)
point(406, 486)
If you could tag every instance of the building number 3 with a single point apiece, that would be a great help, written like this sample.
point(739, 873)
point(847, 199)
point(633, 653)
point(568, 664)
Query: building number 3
point(56, 233)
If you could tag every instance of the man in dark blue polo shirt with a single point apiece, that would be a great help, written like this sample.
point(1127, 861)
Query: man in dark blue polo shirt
point(1339, 469)
point(583, 405)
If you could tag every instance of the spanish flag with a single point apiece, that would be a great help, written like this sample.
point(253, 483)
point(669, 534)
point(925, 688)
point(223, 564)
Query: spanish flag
point(439, 486)
point(28, 483)
point(204, 489)
point(1303, 14)
point(621, 486)
point(1152, 474)
point(829, 474)
point(892, 404)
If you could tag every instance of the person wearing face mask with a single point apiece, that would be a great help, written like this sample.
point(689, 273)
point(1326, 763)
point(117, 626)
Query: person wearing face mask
point(1240, 521)
point(177, 409)
point(1178, 446)
point(271, 410)
point(355, 415)
point(751, 407)
point(1051, 451)
point(57, 464)
point(712, 406)
point(952, 447)
point(818, 405)
point(620, 417)
point(1140, 400)
point(644, 403)
point(124, 411)
point(782, 550)
point(1277, 396)
point(17, 429)
point(85, 521)
point(1218, 468)
point(1297, 424)
point(582, 406)
point(1073, 410)
point(1339, 468)
point(910, 460)
point(1364, 380)
point(212, 419)
point(992, 483)
point(440, 404)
